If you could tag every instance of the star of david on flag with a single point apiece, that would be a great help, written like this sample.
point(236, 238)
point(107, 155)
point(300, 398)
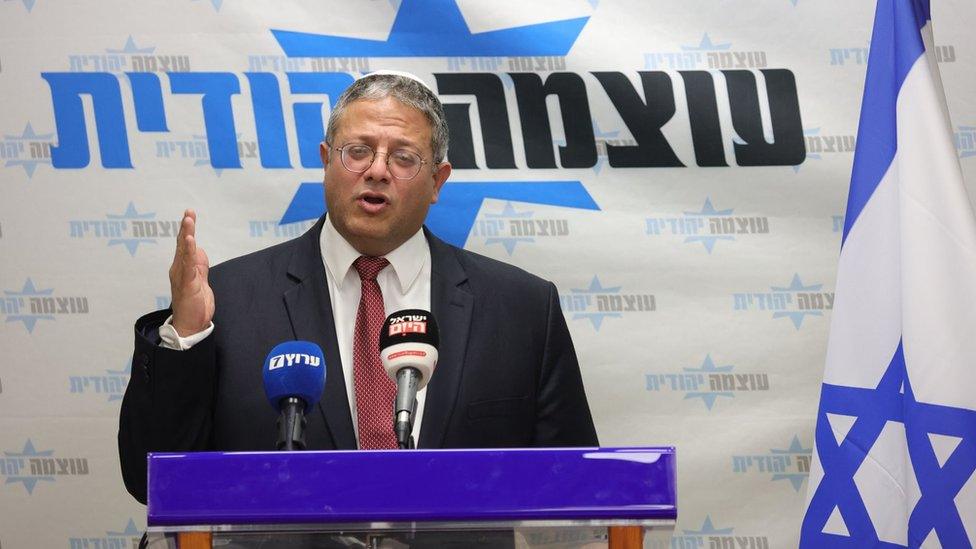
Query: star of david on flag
point(895, 444)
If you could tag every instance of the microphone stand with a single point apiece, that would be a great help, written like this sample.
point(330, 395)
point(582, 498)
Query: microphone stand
point(405, 407)
point(291, 425)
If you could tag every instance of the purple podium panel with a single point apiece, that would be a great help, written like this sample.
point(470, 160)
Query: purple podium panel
point(565, 484)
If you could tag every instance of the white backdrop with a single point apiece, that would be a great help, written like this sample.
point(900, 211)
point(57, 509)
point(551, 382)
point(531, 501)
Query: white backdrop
point(697, 283)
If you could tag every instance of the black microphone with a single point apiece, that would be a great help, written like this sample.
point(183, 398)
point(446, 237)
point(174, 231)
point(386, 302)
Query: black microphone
point(408, 350)
point(294, 377)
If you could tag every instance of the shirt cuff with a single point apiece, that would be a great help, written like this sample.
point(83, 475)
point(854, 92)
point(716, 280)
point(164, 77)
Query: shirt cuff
point(172, 340)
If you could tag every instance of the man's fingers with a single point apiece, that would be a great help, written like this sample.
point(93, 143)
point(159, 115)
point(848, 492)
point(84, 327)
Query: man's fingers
point(187, 227)
point(188, 259)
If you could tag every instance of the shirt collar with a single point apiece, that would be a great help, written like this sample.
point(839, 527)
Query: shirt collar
point(407, 260)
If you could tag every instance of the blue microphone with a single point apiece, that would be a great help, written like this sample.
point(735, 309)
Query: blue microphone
point(294, 377)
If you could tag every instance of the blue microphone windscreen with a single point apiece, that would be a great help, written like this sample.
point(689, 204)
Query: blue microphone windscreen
point(294, 369)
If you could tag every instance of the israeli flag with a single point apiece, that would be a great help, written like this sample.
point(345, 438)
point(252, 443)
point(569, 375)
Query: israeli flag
point(896, 430)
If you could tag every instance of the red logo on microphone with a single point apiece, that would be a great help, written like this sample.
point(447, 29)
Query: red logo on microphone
point(404, 328)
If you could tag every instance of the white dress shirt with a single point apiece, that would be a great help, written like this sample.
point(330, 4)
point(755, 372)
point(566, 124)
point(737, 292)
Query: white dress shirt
point(405, 284)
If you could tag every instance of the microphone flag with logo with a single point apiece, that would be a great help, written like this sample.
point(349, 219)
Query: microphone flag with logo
point(294, 378)
point(895, 442)
point(408, 351)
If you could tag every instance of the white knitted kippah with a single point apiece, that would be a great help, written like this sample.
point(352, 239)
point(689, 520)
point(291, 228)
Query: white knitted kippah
point(399, 73)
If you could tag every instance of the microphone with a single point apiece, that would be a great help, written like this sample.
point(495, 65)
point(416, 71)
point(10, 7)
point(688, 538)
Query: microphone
point(408, 350)
point(294, 377)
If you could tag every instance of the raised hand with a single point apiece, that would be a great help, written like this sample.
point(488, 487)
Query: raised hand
point(193, 299)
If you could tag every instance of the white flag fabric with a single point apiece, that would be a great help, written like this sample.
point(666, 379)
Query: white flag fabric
point(895, 444)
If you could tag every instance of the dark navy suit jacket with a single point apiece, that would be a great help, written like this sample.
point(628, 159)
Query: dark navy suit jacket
point(507, 374)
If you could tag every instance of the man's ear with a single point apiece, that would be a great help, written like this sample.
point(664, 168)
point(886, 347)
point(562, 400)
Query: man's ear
point(441, 174)
point(324, 154)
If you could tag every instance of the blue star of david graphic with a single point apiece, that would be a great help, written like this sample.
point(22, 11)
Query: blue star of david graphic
point(892, 400)
point(707, 45)
point(29, 164)
point(509, 242)
point(131, 214)
point(130, 531)
point(28, 452)
point(796, 285)
point(707, 529)
point(458, 203)
point(795, 449)
point(595, 287)
point(436, 28)
point(709, 367)
point(29, 320)
point(708, 211)
point(966, 150)
point(130, 47)
point(29, 4)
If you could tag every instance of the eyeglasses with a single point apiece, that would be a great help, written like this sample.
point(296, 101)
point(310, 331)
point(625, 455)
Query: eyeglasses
point(403, 164)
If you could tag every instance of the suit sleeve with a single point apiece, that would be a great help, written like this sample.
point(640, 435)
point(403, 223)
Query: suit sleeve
point(562, 413)
point(168, 404)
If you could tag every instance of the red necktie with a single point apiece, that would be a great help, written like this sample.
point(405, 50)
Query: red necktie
point(375, 391)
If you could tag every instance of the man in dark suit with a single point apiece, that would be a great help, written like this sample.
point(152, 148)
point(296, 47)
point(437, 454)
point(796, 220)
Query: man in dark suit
point(507, 375)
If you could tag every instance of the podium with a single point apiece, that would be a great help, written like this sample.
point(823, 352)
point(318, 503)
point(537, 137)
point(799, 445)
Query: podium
point(553, 498)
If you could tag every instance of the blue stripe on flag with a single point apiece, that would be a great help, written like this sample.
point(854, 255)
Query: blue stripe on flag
point(895, 47)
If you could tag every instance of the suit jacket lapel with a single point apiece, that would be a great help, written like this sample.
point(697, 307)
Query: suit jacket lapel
point(310, 311)
point(452, 305)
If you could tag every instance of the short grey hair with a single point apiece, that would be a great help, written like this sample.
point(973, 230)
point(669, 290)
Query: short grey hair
point(409, 91)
